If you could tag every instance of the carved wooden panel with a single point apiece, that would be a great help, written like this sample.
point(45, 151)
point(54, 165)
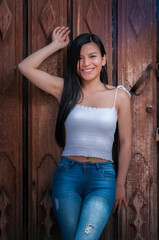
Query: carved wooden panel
point(44, 153)
point(136, 49)
point(11, 15)
point(5, 18)
point(95, 16)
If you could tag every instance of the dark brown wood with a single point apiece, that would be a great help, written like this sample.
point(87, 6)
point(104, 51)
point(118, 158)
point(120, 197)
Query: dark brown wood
point(136, 50)
point(44, 153)
point(11, 16)
point(95, 16)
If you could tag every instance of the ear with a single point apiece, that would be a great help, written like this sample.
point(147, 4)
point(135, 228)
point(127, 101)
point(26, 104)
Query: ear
point(104, 60)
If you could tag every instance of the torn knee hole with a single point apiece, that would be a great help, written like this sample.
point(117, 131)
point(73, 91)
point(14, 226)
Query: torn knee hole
point(88, 229)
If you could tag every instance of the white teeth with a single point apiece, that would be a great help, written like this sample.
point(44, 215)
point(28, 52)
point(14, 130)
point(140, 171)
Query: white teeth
point(88, 70)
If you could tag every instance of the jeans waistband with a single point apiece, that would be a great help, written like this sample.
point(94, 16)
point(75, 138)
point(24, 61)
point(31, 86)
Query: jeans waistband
point(89, 163)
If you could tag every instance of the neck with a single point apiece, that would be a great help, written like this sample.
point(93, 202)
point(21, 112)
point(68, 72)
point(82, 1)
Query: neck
point(91, 86)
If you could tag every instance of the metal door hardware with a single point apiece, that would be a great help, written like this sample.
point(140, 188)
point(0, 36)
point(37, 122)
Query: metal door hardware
point(144, 75)
point(149, 108)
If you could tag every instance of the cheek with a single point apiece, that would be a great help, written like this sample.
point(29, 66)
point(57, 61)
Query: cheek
point(78, 71)
point(97, 61)
point(78, 68)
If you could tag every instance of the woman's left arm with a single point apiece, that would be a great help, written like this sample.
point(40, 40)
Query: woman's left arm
point(125, 140)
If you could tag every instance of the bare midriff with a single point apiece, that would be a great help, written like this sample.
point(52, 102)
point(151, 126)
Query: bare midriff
point(86, 159)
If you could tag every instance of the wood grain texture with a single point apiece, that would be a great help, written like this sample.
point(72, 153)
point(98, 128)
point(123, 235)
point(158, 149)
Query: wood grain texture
point(136, 50)
point(10, 120)
point(44, 153)
point(95, 16)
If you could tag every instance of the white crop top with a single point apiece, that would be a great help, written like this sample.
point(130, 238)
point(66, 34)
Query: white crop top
point(90, 131)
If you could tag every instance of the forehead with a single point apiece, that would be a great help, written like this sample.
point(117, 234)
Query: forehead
point(89, 48)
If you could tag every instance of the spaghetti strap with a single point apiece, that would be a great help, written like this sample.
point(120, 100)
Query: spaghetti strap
point(121, 87)
point(115, 96)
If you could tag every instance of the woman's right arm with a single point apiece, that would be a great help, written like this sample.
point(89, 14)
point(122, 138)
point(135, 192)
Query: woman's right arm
point(28, 67)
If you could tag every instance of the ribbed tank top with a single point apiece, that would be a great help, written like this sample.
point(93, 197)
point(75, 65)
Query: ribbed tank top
point(90, 131)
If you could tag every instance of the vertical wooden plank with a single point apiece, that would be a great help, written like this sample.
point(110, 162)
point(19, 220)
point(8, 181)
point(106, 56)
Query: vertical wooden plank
point(44, 16)
point(95, 16)
point(137, 49)
point(157, 52)
point(11, 16)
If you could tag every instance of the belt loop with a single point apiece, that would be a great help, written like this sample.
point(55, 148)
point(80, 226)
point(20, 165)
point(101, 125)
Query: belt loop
point(98, 167)
point(72, 162)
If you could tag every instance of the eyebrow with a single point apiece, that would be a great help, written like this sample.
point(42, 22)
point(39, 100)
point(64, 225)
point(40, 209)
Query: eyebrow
point(91, 53)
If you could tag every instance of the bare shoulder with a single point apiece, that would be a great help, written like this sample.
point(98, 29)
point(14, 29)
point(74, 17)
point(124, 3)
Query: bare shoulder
point(123, 98)
point(123, 95)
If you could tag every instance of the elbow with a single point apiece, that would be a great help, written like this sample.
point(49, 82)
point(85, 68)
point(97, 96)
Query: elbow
point(20, 67)
point(23, 68)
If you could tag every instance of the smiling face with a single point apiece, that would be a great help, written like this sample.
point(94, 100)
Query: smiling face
point(90, 63)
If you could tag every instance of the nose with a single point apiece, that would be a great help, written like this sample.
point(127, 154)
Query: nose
point(86, 61)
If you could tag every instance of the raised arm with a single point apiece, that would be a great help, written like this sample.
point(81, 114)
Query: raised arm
point(29, 66)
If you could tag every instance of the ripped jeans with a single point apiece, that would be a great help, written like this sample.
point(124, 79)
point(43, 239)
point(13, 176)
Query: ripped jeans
point(83, 196)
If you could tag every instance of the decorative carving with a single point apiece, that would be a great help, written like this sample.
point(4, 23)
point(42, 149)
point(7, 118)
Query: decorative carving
point(3, 128)
point(47, 158)
point(46, 19)
point(137, 18)
point(46, 218)
point(140, 171)
point(47, 205)
point(6, 164)
point(137, 203)
point(7, 181)
point(4, 202)
point(92, 17)
point(5, 18)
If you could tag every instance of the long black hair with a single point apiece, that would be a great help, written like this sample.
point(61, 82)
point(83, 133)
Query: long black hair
point(72, 91)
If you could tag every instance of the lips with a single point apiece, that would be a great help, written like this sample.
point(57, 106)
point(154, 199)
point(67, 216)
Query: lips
point(87, 70)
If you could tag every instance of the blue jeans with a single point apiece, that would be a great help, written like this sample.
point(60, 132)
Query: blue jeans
point(83, 196)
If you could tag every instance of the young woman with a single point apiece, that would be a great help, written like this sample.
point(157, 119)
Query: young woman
point(85, 187)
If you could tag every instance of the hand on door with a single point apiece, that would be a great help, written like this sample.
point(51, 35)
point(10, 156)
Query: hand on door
point(60, 36)
point(120, 197)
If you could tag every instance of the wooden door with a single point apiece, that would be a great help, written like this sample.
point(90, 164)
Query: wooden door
point(11, 172)
point(43, 151)
point(96, 17)
point(44, 154)
point(129, 38)
point(136, 50)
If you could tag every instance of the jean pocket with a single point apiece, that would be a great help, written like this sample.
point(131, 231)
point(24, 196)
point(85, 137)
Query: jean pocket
point(63, 166)
point(107, 173)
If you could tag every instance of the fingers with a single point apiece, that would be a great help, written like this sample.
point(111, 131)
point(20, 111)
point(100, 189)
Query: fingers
point(125, 203)
point(62, 31)
point(60, 36)
point(65, 34)
point(118, 205)
point(115, 206)
point(56, 29)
